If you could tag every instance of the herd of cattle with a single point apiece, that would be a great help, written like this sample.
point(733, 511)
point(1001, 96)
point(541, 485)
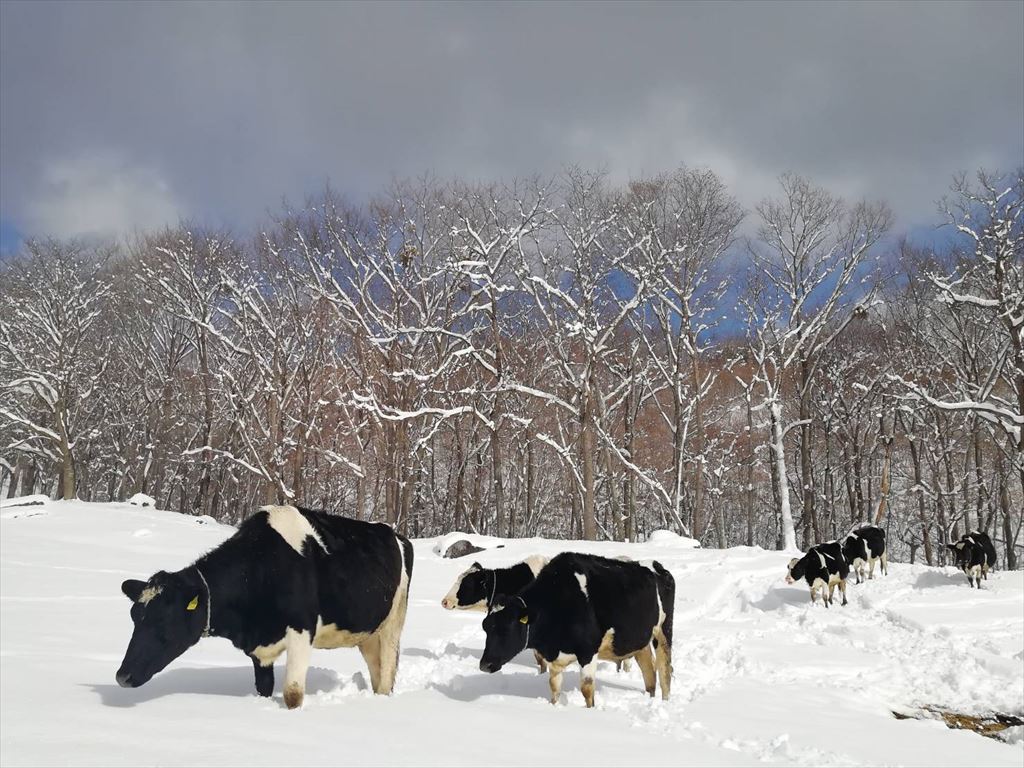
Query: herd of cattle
point(828, 565)
point(292, 579)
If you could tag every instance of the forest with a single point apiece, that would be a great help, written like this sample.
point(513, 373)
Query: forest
point(563, 357)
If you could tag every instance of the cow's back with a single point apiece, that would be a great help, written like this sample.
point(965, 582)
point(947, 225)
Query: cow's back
point(358, 570)
point(983, 540)
point(583, 597)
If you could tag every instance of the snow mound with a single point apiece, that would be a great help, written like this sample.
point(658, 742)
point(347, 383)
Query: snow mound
point(25, 501)
point(671, 538)
point(142, 500)
point(484, 542)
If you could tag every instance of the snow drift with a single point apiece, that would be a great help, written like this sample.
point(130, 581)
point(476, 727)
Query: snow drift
point(760, 675)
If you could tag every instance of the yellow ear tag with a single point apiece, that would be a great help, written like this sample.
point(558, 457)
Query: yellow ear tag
point(524, 619)
point(193, 604)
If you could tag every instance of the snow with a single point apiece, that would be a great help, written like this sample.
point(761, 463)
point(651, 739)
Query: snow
point(672, 538)
point(142, 500)
point(760, 675)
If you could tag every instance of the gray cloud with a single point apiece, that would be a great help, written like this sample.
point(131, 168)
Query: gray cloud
point(116, 116)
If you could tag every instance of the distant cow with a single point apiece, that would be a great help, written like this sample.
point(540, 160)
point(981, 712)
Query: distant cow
point(582, 608)
point(823, 566)
point(975, 555)
point(476, 588)
point(288, 580)
point(865, 546)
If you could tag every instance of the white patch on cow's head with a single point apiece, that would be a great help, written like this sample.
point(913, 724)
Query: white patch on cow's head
point(583, 583)
point(292, 526)
point(148, 594)
point(789, 570)
point(451, 600)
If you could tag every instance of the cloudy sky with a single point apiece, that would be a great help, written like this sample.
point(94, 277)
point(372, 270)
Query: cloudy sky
point(126, 116)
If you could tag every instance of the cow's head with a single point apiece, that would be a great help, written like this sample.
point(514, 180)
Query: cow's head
point(851, 550)
point(169, 612)
point(507, 626)
point(961, 551)
point(471, 590)
point(794, 570)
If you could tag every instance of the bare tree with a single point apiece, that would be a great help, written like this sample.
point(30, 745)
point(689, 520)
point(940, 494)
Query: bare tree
point(811, 254)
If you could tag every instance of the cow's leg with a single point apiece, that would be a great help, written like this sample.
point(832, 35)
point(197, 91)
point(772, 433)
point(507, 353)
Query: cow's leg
point(389, 636)
point(555, 680)
point(264, 677)
point(588, 677)
point(885, 563)
point(645, 660)
point(871, 568)
point(831, 591)
point(298, 646)
point(541, 664)
point(390, 641)
point(370, 648)
point(663, 662)
point(842, 588)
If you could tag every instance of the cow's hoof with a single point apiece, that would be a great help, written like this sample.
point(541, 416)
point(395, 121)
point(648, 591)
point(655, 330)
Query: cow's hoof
point(293, 695)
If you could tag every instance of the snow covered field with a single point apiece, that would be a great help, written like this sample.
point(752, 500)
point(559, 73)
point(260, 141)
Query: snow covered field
point(760, 675)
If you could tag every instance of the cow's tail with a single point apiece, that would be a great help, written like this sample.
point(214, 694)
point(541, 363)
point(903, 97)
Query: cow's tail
point(407, 556)
point(667, 595)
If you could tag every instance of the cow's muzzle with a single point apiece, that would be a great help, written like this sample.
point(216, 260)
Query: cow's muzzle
point(125, 679)
point(486, 666)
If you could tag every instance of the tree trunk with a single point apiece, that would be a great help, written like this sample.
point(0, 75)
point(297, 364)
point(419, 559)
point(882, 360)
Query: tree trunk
point(919, 485)
point(748, 493)
point(588, 459)
point(530, 492)
point(810, 517)
point(697, 527)
point(883, 489)
point(780, 480)
point(67, 462)
point(628, 481)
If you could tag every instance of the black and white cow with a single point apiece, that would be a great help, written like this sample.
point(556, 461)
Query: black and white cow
point(476, 588)
point(863, 547)
point(582, 608)
point(287, 581)
point(975, 554)
point(823, 566)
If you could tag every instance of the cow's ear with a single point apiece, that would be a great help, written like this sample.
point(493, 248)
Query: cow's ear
point(521, 610)
point(476, 567)
point(498, 602)
point(132, 589)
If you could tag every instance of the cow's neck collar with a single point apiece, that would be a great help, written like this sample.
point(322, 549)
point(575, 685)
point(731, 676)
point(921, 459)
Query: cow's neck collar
point(209, 602)
point(494, 586)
